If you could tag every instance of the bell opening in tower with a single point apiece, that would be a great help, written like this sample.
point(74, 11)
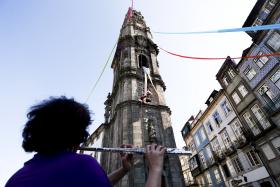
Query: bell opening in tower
point(143, 61)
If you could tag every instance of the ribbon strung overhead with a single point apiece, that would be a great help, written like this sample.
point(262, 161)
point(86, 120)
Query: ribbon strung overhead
point(252, 28)
point(219, 58)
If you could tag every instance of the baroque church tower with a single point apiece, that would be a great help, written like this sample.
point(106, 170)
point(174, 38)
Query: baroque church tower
point(136, 112)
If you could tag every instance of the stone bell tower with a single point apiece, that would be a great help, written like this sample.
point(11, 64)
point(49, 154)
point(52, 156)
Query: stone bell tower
point(136, 112)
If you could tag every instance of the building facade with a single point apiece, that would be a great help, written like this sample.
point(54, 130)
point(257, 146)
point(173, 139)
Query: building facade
point(243, 134)
point(254, 125)
point(263, 76)
point(223, 155)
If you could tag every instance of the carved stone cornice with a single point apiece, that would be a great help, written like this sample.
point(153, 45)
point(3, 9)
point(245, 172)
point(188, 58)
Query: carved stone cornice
point(131, 73)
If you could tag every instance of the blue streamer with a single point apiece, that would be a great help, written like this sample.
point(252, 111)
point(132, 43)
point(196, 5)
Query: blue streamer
point(243, 29)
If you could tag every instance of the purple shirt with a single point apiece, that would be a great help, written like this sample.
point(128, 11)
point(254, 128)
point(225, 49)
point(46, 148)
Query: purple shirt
point(65, 169)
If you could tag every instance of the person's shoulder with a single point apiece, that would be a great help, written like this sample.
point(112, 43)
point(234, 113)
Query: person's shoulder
point(84, 158)
point(83, 161)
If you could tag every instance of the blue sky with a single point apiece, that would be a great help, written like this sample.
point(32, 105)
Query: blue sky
point(58, 47)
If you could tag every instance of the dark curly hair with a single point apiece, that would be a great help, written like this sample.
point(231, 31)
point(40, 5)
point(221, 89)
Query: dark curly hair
point(55, 125)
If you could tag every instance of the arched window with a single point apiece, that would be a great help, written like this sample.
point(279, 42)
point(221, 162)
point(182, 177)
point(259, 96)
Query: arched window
point(143, 61)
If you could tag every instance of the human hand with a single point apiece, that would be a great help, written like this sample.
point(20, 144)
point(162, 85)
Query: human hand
point(155, 155)
point(127, 159)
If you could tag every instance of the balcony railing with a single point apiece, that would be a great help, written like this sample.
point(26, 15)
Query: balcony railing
point(272, 107)
point(229, 150)
point(239, 142)
point(219, 155)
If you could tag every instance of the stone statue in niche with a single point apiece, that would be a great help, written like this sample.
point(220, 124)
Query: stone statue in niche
point(152, 131)
point(108, 107)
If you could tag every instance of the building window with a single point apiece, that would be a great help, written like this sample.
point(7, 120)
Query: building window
point(237, 164)
point(251, 123)
point(226, 170)
point(208, 178)
point(253, 158)
point(257, 22)
point(216, 145)
point(276, 143)
point(276, 78)
point(274, 41)
point(270, 4)
point(202, 158)
point(202, 133)
point(209, 152)
point(193, 163)
point(192, 146)
point(185, 131)
point(237, 129)
point(217, 175)
point(249, 72)
point(269, 154)
point(260, 116)
point(266, 93)
point(197, 140)
point(226, 81)
point(226, 139)
point(262, 60)
point(243, 90)
point(217, 118)
point(236, 98)
point(209, 127)
point(225, 107)
point(231, 73)
point(230, 167)
point(200, 181)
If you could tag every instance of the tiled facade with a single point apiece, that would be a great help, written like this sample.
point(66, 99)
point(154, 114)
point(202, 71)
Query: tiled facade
point(222, 155)
point(243, 136)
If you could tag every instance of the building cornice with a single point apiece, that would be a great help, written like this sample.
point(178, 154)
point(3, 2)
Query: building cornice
point(130, 73)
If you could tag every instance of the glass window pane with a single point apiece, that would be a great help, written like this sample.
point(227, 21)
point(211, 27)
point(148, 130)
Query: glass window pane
point(250, 72)
point(276, 143)
point(266, 92)
point(260, 61)
point(251, 123)
point(202, 133)
point(260, 116)
point(276, 78)
point(197, 140)
point(236, 98)
point(217, 175)
point(225, 107)
point(243, 90)
point(253, 158)
point(231, 73)
point(274, 41)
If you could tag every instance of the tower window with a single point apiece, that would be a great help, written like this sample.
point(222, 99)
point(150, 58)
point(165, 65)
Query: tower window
point(143, 61)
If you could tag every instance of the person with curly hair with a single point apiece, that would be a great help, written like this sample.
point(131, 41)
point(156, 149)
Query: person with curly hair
point(54, 130)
